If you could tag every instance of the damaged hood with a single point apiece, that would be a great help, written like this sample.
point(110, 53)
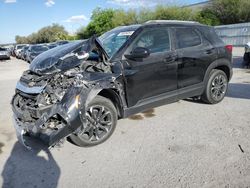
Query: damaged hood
point(63, 57)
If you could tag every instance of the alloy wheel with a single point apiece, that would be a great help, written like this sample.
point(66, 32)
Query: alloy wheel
point(219, 87)
point(99, 124)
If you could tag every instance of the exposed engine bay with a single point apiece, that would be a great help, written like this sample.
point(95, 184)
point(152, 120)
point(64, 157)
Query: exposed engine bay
point(51, 97)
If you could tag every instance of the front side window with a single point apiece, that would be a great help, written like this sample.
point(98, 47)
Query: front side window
point(186, 37)
point(155, 39)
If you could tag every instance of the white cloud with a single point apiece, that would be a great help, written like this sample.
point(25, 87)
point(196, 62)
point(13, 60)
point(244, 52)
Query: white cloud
point(49, 3)
point(140, 3)
point(78, 18)
point(10, 1)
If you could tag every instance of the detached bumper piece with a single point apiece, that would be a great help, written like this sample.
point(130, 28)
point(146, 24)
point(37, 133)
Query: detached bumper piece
point(47, 124)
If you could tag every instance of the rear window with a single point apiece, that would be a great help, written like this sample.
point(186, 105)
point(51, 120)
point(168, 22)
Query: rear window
point(3, 49)
point(211, 35)
point(39, 48)
point(187, 37)
point(20, 47)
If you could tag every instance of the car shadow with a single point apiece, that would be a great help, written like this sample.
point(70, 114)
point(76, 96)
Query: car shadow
point(28, 169)
point(238, 62)
point(235, 90)
point(239, 90)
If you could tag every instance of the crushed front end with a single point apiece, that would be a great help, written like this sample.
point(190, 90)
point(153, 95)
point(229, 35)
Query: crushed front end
point(51, 97)
point(46, 107)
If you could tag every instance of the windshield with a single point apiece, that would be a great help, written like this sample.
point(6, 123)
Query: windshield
point(39, 48)
point(20, 46)
point(114, 39)
point(3, 49)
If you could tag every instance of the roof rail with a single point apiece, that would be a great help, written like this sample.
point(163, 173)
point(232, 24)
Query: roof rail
point(170, 21)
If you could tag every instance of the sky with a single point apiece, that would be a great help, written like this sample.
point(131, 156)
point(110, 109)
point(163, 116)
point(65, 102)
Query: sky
point(23, 17)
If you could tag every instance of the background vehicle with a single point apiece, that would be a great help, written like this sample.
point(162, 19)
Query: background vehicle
point(24, 52)
point(70, 92)
point(4, 53)
point(18, 49)
point(62, 42)
point(246, 58)
point(52, 45)
point(35, 50)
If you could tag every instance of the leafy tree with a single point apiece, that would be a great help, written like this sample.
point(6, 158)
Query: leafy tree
point(207, 17)
point(228, 11)
point(145, 14)
point(45, 35)
point(122, 17)
point(173, 13)
point(101, 21)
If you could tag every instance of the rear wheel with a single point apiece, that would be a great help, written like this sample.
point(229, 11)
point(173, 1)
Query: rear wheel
point(101, 117)
point(216, 87)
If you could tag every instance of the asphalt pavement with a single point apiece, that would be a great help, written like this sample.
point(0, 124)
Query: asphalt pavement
point(184, 144)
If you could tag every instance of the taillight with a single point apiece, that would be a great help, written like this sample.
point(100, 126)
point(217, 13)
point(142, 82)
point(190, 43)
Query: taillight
point(229, 48)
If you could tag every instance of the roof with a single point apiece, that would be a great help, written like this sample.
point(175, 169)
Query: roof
point(176, 22)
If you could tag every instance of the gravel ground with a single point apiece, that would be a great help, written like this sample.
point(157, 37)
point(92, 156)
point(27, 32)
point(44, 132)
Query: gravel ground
point(184, 144)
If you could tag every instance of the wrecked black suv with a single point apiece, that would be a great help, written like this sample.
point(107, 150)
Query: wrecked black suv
point(80, 90)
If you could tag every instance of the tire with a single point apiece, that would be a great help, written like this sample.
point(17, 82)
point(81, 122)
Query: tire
point(99, 107)
point(216, 87)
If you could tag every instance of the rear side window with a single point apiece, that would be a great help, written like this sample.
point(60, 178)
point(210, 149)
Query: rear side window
point(156, 40)
point(187, 37)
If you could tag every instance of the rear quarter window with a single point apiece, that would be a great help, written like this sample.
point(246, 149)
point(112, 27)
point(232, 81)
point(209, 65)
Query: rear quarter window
point(187, 37)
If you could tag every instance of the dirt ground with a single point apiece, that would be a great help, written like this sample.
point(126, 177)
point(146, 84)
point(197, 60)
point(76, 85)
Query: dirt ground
point(184, 144)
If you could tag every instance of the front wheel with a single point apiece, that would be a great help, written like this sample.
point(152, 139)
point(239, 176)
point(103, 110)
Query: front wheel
point(101, 120)
point(216, 87)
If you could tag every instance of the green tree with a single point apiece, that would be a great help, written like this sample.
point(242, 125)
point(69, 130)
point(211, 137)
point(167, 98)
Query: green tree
point(228, 11)
point(101, 21)
point(207, 17)
point(122, 17)
point(47, 34)
point(173, 13)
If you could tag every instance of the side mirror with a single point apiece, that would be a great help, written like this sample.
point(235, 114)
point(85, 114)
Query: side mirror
point(138, 53)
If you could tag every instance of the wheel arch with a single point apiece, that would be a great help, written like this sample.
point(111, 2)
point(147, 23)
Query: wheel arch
point(112, 94)
point(221, 64)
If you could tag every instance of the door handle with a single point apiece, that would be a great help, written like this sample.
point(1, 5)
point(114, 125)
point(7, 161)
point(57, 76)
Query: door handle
point(170, 58)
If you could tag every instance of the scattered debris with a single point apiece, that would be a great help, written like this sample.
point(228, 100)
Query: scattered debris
point(241, 148)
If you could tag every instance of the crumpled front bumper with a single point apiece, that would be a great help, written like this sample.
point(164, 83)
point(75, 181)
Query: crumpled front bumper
point(28, 133)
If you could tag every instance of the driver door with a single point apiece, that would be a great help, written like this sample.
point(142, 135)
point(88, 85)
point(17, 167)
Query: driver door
point(154, 75)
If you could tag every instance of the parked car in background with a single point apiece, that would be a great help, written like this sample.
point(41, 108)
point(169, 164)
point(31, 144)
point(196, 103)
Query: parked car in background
point(62, 42)
point(52, 45)
point(35, 50)
point(68, 92)
point(18, 49)
point(4, 53)
point(247, 56)
point(24, 52)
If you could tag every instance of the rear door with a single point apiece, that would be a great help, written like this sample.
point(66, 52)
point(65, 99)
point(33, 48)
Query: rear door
point(154, 75)
point(195, 53)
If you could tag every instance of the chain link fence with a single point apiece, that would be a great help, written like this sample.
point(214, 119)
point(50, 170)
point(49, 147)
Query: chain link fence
point(235, 34)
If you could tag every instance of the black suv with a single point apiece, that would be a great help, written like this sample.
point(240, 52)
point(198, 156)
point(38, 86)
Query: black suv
point(80, 90)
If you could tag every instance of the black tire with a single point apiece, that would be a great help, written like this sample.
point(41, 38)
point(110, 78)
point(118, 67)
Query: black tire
point(216, 87)
point(105, 106)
